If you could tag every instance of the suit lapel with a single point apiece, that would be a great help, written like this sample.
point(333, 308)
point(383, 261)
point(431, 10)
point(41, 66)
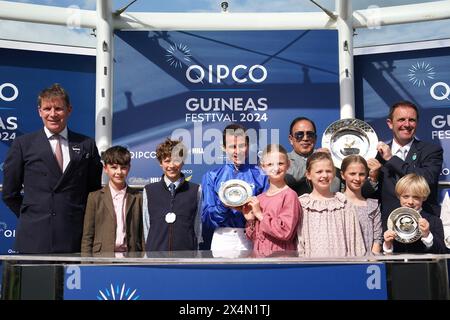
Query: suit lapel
point(75, 152)
point(131, 197)
point(47, 154)
point(108, 201)
point(413, 153)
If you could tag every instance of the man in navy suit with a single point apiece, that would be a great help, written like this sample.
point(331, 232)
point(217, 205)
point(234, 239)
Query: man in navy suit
point(405, 155)
point(57, 168)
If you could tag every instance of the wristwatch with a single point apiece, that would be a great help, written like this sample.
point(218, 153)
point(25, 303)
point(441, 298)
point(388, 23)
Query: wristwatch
point(447, 242)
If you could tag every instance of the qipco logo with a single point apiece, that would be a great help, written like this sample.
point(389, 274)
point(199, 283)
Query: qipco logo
point(8, 92)
point(440, 91)
point(216, 73)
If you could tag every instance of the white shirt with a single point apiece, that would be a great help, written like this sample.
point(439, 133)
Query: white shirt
point(64, 145)
point(445, 217)
point(396, 149)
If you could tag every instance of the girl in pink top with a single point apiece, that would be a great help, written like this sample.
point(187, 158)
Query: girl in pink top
point(273, 216)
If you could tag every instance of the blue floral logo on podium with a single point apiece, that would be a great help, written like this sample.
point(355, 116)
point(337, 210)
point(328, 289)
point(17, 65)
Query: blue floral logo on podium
point(118, 292)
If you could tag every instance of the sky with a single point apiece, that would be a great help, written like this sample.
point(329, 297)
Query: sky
point(12, 30)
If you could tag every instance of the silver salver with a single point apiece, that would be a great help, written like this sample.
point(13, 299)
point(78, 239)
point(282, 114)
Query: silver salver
point(350, 136)
point(405, 222)
point(235, 193)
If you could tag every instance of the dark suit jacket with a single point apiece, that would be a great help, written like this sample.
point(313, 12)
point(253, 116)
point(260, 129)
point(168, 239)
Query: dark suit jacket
point(99, 232)
point(424, 159)
point(418, 246)
point(51, 209)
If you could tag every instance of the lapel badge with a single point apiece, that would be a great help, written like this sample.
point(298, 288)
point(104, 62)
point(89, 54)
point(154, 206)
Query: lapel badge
point(414, 157)
point(76, 149)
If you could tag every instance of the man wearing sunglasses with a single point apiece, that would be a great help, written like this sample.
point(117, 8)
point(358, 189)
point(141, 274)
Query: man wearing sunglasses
point(303, 137)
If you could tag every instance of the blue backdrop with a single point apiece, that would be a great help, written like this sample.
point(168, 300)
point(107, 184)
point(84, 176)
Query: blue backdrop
point(421, 76)
point(261, 79)
point(23, 74)
point(193, 84)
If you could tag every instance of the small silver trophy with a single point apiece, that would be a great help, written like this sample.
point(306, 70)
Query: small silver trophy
point(235, 193)
point(405, 222)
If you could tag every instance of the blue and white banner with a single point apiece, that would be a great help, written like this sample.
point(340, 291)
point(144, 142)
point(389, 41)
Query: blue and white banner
point(8, 223)
point(226, 282)
point(420, 76)
point(23, 74)
point(193, 84)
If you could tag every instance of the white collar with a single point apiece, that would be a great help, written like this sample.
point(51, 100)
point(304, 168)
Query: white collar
point(396, 146)
point(168, 182)
point(115, 192)
point(49, 134)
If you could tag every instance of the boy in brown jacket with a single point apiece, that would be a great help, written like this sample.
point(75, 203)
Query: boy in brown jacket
point(113, 217)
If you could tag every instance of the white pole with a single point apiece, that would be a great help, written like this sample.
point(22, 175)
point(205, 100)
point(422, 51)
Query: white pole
point(384, 16)
point(426, 11)
point(220, 21)
point(28, 12)
point(103, 101)
point(345, 49)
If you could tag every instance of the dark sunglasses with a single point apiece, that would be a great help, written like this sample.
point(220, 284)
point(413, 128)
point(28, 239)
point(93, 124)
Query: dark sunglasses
point(299, 135)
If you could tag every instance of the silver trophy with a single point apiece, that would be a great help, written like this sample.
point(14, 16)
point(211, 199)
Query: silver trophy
point(405, 222)
point(350, 136)
point(235, 193)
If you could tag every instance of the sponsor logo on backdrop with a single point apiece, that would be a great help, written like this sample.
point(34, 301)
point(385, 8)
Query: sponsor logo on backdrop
point(223, 93)
point(441, 122)
point(440, 91)
point(139, 181)
point(140, 154)
point(178, 54)
point(7, 127)
point(217, 73)
point(8, 124)
point(118, 292)
point(5, 232)
point(445, 172)
point(187, 174)
point(197, 150)
point(213, 103)
point(8, 92)
point(422, 74)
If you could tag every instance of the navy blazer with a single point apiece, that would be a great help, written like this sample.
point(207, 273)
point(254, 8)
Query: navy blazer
point(51, 208)
point(424, 159)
